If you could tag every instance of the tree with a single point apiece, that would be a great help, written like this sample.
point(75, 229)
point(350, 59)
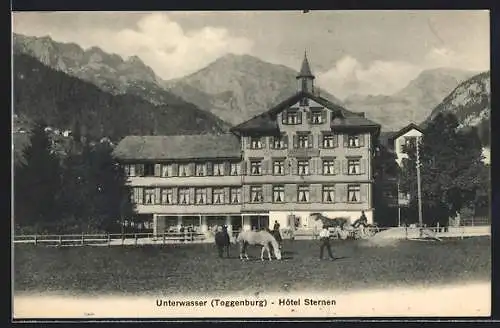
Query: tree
point(37, 183)
point(451, 170)
point(385, 173)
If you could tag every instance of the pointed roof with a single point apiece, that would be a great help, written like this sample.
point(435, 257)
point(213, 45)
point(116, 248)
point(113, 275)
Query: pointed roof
point(305, 70)
point(267, 123)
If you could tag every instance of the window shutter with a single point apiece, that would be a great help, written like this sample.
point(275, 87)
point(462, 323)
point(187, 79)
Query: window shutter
point(157, 170)
point(344, 193)
point(175, 195)
point(227, 168)
point(191, 169)
point(294, 166)
point(227, 195)
point(157, 195)
point(346, 140)
point(263, 167)
point(363, 193)
point(263, 141)
point(320, 140)
point(315, 196)
point(337, 166)
point(285, 141)
point(244, 167)
point(344, 167)
point(210, 168)
point(283, 117)
point(362, 166)
point(209, 195)
point(271, 142)
point(192, 195)
point(310, 140)
point(175, 169)
point(308, 116)
point(336, 139)
point(299, 117)
point(362, 140)
point(290, 193)
point(295, 141)
point(267, 193)
point(245, 193)
point(139, 170)
point(249, 142)
point(287, 164)
point(324, 115)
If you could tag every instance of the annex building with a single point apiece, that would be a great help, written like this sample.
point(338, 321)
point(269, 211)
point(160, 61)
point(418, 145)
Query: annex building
point(305, 155)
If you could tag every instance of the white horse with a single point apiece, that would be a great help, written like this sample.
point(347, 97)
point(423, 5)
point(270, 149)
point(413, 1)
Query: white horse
point(258, 238)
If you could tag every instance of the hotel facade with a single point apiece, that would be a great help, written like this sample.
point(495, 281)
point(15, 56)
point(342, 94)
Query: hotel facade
point(306, 155)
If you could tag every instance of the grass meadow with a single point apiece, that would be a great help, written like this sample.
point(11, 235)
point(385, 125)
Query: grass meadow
point(196, 268)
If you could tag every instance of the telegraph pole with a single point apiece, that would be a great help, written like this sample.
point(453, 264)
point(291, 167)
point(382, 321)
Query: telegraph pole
point(419, 190)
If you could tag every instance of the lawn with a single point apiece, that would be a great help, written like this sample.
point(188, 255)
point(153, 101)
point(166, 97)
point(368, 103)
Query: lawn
point(175, 269)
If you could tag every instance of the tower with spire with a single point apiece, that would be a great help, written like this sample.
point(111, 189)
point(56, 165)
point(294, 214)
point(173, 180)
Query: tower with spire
point(305, 79)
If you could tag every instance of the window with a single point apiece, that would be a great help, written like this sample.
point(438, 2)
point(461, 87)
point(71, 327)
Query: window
point(149, 170)
point(166, 170)
point(183, 195)
point(303, 140)
point(218, 196)
point(218, 169)
point(183, 170)
point(256, 194)
point(328, 141)
point(149, 196)
point(137, 195)
point(139, 170)
point(353, 141)
point(280, 142)
point(328, 167)
point(328, 194)
point(353, 193)
point(235, 195)
point(255, 167)
point(292, 117)
point(353, 166)
point(200, 195)
point(200, 169)
point(278, 194)
point(129, 170)
point(303, 194)
point(167, 196)
point(316, 117)
point(255, 143)
point(235, 169)
point(303, 167)
point(279, 167)
point(409, 142)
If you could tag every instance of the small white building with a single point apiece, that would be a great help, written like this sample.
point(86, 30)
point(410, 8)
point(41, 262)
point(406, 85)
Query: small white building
point(407, 135)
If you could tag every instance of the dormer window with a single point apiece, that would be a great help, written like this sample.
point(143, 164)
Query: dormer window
point(317, 117)
point(353, 141)
point(280, 142)
point(292, 117)
point(255, 143)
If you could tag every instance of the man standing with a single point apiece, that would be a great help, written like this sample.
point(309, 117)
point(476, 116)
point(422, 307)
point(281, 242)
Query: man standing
point(277, 234)
point(324, 237)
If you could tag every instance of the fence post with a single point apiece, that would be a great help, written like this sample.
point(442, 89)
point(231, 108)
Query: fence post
point(135, 235)
point(406, 231)
point(123, 239)
point(164, 238)
point(83, 239)
point(60, 240)
point(109, 240)
point(35, 239)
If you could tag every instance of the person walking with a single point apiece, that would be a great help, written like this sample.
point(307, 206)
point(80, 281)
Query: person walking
point(324, 237)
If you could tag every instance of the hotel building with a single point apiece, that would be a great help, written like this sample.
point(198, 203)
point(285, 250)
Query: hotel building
point(306, 155)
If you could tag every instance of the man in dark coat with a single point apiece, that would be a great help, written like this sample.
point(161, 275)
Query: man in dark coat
point(222, 241)
point(277, 234)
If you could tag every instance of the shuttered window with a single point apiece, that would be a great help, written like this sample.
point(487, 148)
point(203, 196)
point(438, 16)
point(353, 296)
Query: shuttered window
point(200, 195)
point(279, 167)
point(328, 167)
point(303, 194)
point(278, 194)
point(167, 196)
point(328, 194)
point(184, 196)
point(256, 194)
point(354, 193)
point(235, 169)
point(218, 196)
point(183, 170)
point(354, 166)
point(235, 195)
point(149, 196)
point(218, 169)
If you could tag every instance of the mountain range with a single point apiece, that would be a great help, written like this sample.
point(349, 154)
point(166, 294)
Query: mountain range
point(233, 88)
point(414, 102)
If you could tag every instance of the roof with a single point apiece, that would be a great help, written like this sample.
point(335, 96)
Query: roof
point(404, 130)
point(305, 69)
point(385, 138)
point(267, 120)
point(178, 147)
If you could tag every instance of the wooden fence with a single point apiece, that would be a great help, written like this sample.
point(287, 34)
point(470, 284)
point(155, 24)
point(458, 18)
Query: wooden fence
point(109, 239)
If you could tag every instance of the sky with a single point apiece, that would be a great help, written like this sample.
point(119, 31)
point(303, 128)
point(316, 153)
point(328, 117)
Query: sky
point(350, 52)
